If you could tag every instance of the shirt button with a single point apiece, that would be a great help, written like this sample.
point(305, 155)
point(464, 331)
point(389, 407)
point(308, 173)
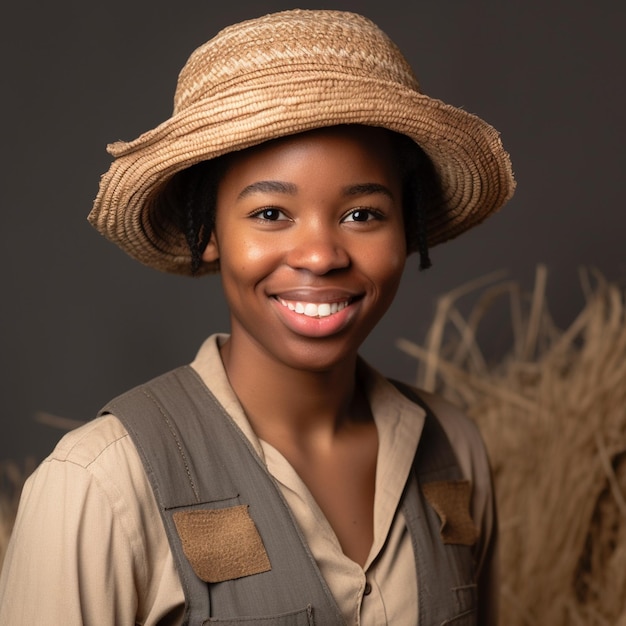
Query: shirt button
point(367, 590)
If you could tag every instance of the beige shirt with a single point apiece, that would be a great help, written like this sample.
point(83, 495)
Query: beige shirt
point(88, 546)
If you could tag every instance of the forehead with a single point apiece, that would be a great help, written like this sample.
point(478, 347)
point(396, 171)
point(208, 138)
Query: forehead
point(357, 151)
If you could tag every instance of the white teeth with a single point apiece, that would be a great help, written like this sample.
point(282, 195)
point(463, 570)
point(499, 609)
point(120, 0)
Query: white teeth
point(311, 309)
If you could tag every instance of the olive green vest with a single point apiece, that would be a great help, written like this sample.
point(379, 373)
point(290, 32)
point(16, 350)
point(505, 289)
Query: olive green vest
point(240, 554)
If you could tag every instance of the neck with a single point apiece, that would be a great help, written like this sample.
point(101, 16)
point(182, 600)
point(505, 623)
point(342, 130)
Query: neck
point(283, 403)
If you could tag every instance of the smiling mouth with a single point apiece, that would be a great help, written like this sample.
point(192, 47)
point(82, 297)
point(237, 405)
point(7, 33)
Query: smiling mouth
point(314, 309)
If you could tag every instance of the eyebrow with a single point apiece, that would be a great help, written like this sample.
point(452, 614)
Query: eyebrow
point(364, 189)
point(269, 186)
point(277, 186)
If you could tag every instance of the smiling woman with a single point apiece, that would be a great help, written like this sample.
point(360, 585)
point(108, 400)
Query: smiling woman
point(278, 478)
point(285, 231)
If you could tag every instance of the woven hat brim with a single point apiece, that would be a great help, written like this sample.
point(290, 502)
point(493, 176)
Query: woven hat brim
point(474, 169)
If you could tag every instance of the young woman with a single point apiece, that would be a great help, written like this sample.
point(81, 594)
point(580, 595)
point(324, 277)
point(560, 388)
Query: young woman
point(278, 479)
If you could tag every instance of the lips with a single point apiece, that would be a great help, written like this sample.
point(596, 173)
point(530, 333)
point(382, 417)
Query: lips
point(317, 312)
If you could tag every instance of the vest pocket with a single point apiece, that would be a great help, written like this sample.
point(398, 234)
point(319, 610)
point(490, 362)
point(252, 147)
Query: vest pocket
point(464, 619)
point(465, 599)
point(221, 544)
point(304, 617)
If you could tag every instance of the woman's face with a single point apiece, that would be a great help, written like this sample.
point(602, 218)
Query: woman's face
point(311, 244)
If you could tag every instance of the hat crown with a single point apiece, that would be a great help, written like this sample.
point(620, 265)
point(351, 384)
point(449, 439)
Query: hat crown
point(261, 49)
point(279, 75)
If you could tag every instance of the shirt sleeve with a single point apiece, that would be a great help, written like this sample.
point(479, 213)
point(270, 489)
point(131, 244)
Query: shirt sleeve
point(69, 560)
point(87, 547)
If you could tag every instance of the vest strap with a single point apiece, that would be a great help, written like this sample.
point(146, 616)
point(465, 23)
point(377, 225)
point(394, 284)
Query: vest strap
point(210, 483)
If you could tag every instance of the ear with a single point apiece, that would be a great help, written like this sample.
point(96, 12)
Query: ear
point(211, 252)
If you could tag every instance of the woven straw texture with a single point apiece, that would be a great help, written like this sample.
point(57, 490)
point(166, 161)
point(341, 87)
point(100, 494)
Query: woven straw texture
point(282, 74)
point(552, 413)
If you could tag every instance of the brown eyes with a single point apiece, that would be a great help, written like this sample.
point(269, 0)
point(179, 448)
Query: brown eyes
point(272, 214)
point(362, 215)
point(269, 214)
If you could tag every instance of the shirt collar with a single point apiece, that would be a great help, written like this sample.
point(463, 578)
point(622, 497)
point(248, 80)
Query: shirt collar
point(399, 422)
point(208, 365)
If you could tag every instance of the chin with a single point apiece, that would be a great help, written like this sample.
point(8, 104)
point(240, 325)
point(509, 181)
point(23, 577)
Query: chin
point(319, 356)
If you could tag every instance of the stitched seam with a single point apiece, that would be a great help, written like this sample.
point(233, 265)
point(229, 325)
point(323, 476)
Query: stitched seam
point(140, 558)
point(80, 463)
point(64, 453)
point(177, 441)
point(118, 439)
point(308, 610)
point(459, 616)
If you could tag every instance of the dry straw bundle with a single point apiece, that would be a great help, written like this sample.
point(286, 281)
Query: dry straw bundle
point(552, 411)
point(12, 477)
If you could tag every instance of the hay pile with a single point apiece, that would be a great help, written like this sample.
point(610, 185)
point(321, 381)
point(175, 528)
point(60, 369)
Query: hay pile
point(12, 477)
point(552, 412)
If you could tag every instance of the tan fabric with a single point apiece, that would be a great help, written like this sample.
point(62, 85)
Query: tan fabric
point(222, 544)
point(89, 548)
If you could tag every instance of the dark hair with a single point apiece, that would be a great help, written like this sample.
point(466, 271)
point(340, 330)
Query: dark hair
point(192, 196)
point(421, 194)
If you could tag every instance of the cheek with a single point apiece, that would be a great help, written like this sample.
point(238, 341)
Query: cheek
point(388, 259)
point(392, 270)
point(258, 260)
point(385, 269)
point(255, 253)
point(245, 262)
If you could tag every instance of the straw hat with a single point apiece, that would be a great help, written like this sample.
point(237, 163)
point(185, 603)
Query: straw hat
point(282, 74)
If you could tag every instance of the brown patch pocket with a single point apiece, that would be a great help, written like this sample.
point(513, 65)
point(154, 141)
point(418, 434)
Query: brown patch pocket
point(451, 501)
point(222, 544)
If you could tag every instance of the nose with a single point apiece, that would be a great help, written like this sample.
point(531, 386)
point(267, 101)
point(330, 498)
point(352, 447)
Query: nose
point(318, 249)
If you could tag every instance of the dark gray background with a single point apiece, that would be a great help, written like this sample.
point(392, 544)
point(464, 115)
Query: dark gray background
point(81, 322)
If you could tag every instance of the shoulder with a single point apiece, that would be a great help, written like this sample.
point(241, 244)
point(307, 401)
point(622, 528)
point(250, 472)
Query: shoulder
point(99, 465)
point(462, 431)
point(93, 481)
point(87, 509)
point(472, 456)
point(471, 453)
point(99, 461)
point(89, 442)
point(464, 436)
